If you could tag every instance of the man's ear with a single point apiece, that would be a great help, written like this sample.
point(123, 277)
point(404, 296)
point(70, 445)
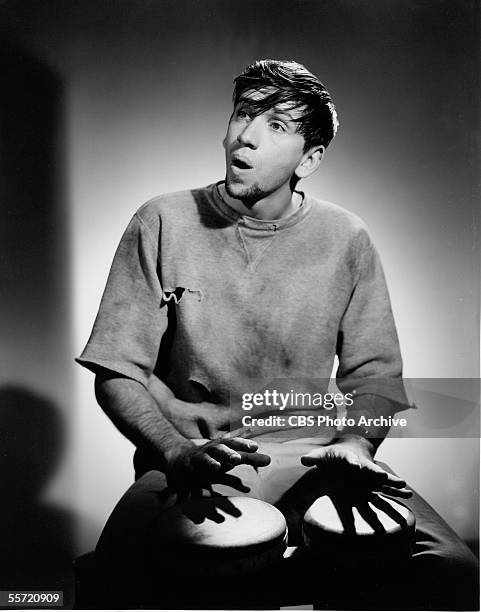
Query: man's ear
point(310, 161)
point(224, 141)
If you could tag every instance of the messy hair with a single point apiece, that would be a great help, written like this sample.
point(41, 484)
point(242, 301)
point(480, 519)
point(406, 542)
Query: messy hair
point(292, 83)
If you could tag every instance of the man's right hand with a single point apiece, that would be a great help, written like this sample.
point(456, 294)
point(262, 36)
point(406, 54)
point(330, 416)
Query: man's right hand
point(191, 467)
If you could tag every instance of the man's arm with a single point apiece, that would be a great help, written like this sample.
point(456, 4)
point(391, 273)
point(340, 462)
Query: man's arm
point(122, 351)
point(136, 414)
point(370, 367)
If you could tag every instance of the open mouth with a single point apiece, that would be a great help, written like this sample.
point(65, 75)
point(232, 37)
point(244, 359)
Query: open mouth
point(240, 163)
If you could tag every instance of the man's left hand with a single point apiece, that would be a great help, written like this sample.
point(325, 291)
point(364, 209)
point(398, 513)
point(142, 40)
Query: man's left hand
point(348, 464)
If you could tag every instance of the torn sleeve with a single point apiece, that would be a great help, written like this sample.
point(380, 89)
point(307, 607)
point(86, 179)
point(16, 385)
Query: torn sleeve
point(130, 322)
point(368, 348)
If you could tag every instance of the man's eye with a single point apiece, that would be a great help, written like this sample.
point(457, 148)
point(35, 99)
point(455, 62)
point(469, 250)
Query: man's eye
point(277, 127)
point(242, 114)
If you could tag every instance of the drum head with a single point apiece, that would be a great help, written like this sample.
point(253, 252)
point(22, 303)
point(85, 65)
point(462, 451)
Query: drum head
point(380, 525)
point(222, 535)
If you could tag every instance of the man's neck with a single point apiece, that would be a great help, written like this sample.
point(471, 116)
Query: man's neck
point(270, 208)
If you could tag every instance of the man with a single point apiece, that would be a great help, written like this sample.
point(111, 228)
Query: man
point(224, 290)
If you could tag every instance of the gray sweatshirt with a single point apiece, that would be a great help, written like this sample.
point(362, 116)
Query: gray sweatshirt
point(218, 304)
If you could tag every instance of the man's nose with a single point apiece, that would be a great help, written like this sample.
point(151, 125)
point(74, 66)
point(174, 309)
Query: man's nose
point(250, 135)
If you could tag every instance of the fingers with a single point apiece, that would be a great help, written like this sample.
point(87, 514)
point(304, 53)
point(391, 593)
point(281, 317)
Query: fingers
point(395, 481)
point(312, 458)
point(240, 444)
point(403, 493)
point(205, 463)
point(227, 457)
point(331, 456)
point(386, 477)
point(231, 452)
point(241, 432)
point(378, 479)
point(255, 459)
point(230, 458)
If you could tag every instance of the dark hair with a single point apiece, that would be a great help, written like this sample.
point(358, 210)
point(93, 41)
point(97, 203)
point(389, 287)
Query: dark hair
point(293, 83)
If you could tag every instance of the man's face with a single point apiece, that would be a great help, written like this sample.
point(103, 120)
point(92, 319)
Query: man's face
point(262, 151)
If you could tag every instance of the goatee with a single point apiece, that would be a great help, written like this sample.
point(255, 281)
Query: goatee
point(248, 196)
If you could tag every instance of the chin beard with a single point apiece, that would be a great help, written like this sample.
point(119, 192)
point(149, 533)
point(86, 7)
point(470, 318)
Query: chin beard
point(247, 195)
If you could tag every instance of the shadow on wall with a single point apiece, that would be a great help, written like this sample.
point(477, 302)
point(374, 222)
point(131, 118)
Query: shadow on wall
point(34, 251)
point(36, 538)
point(35, 535)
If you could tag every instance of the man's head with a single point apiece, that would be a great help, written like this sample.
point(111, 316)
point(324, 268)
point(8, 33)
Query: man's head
point(282, 122)
point(292, 83)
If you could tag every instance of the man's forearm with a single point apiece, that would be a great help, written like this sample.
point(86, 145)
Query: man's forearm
point(136, 414)
point(193, 420)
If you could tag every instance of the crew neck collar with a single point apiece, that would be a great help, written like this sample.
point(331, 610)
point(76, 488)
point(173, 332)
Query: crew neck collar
point(262, 224)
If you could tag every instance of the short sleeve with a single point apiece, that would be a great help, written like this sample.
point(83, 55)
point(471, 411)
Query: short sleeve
point(130, 322)
point(368, 347)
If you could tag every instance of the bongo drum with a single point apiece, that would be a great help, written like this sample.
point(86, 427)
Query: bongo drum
point(374, 530)
point(220, 536)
